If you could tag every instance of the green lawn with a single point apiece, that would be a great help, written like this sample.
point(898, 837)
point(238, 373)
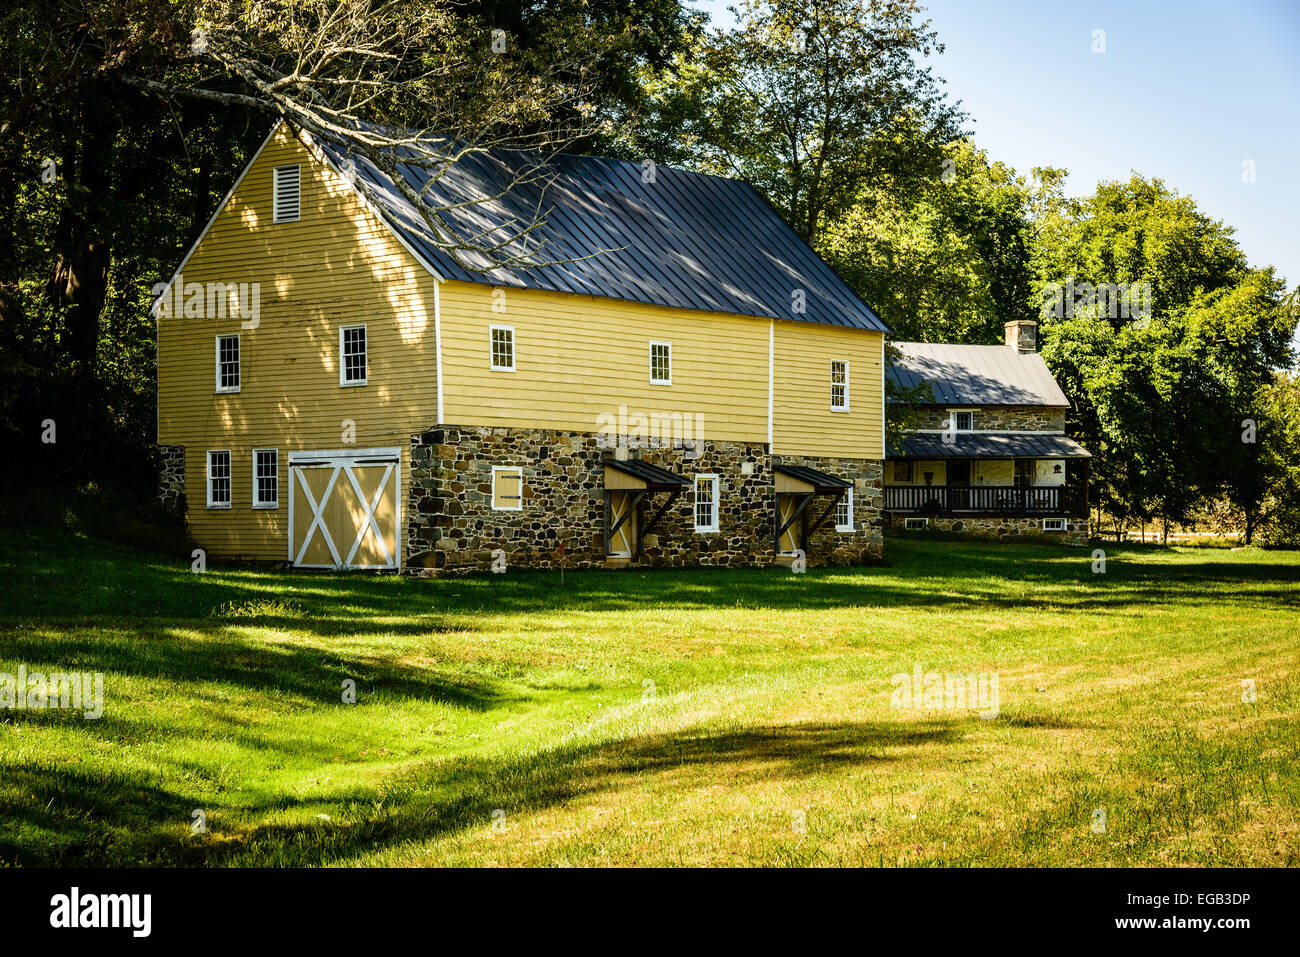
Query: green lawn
point(678, 718)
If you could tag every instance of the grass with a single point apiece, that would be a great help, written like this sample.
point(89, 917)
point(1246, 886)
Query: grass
point(675, 718)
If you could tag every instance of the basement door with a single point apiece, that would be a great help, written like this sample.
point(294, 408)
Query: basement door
point(345, 509)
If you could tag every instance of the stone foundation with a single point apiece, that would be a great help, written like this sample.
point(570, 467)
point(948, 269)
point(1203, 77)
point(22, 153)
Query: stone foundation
point(995, 526)
point(453, 529)
point(171, 478)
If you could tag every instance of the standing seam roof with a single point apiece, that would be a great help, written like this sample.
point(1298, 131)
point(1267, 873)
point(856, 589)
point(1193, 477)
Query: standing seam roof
point(687, 240)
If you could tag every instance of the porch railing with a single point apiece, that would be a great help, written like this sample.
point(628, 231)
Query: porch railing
point(995, 499)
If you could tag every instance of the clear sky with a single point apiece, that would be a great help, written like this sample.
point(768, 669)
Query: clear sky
point(1186, 91)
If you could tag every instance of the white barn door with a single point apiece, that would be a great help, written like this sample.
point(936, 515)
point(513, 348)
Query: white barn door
point(345, 509)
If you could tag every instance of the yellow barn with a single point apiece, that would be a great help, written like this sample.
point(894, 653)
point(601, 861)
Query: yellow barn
point(677, 380)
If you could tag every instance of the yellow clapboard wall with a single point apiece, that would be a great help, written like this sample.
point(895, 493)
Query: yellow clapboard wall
point(338, 265)
point(803, 423)
point(580, 357)
point(576, 357)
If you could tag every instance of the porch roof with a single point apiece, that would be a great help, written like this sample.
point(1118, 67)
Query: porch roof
point(655, 478)
point(990, 445)
point(821, 482)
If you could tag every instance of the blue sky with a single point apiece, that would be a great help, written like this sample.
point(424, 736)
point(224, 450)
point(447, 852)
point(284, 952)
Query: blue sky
point(1185, 92)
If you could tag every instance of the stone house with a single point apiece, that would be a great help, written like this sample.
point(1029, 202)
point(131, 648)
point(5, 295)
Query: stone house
point(988, 455)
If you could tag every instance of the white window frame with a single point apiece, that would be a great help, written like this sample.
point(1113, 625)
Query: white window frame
point(344, 382)
point(239, 363)
point(846, 500)
point(257, 501)
point(492, 356)
point(845, 406)
point(493, 501)
point(230, 478)
point(275, 193)
point(912, 523)
point(952, 419)
point(713, 479)
point(1063, 525)
point(651, 357)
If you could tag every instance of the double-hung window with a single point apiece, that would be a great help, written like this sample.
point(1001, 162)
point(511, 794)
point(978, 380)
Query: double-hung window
point(844, 512)
point(266, 478)
point(839, 385)
point(352, 355)
point(502, 349)
point(219, 478)
point(706, 503)
point(963, 421)
point(661, 363)
point(228, 363)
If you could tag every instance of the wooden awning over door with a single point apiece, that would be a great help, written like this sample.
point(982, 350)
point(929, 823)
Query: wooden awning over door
point(796, 487)
point(629, 485)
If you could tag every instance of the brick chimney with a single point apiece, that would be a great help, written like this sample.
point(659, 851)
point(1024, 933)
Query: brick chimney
point(1022, 335)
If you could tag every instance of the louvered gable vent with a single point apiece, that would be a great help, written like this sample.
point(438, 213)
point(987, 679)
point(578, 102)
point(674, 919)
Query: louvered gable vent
point(286, 194)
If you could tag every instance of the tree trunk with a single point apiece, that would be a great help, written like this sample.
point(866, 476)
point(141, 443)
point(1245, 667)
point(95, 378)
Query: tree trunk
point(79, 278)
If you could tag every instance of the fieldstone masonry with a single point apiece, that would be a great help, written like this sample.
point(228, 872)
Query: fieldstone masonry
point(995, 419)
point(1076, 529)
point(452, 528)
point(171, 472)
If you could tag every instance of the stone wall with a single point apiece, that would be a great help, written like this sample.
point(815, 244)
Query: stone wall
point(994, 419)
point(171, 478)
point(996, 527)
point(452, 528)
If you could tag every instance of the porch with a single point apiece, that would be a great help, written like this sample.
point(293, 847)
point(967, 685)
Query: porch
point(1007, 500)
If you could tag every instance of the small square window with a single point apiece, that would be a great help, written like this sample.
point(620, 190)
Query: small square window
point(706, 503)
point(507, 488)
point(228, 363)
point(352, 355)
point(903, 473)
point(661, 363)
point(219, 478)
point(839, 385)
point(963, 421)
point(502, 352)
point(266, 478)
point(285, 194)
point(844, 512)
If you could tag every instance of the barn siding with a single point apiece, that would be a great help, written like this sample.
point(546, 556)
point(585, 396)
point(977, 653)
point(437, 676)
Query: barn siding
point(338, 265)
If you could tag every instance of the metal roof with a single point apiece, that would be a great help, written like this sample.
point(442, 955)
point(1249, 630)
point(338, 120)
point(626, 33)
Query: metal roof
point(687, 240)
point(991, 445)
point(818, 480)
point(653, 476)
point(977, 375)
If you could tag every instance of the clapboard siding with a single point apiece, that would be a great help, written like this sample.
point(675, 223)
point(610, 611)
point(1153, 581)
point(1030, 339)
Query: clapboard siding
point(338, 265)
point(803, 423)
point(578, 357)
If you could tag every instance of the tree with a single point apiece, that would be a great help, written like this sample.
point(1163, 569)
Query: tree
point(125, 124)
point(1163, 336)
point(943, 258)
point(808, 100)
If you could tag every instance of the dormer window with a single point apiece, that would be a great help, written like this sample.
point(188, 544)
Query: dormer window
point(285, 194)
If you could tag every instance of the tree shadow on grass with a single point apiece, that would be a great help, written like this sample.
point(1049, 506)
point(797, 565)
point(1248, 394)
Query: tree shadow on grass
point(311, 674)
point(65, 817)
point(74, 580)
point(449, 797)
